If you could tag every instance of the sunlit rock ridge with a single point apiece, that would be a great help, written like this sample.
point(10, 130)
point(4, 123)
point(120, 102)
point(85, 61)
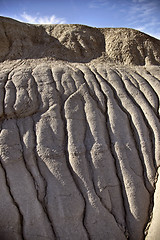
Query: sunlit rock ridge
point(79, 133)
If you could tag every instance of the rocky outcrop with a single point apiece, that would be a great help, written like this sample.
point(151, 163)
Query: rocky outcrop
point(79, 133)
point(77, 43)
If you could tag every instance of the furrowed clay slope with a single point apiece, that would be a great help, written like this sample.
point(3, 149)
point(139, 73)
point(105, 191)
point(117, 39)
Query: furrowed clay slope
point(79, 133)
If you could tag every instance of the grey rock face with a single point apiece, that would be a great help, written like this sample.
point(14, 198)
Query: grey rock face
point(79, 149)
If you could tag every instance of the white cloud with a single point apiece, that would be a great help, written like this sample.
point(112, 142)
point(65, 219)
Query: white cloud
point(98, 3)
point(42, 20)
point(138, 1)
point(142, 15)
point(28, 18)
point(142, 9)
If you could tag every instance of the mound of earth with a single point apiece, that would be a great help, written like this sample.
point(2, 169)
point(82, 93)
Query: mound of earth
point(79, 133)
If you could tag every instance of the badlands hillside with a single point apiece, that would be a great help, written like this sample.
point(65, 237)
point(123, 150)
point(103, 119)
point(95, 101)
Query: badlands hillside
point(79, 133)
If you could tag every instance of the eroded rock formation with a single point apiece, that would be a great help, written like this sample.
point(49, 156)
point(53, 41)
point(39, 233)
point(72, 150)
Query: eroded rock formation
point(79, 133)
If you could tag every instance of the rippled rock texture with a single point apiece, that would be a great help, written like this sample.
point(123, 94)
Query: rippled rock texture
point(79, 136)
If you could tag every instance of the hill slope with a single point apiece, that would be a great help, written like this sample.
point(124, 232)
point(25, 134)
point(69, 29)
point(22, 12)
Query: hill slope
point(77, 43)
point(79, 133)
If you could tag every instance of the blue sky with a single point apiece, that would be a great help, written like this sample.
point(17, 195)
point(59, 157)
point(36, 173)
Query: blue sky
point(143, 15)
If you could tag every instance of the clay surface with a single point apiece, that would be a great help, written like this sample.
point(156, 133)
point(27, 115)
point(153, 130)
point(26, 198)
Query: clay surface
point(79, 133)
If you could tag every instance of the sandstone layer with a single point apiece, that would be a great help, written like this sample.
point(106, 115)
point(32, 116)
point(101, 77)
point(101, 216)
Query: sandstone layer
point(79, 133)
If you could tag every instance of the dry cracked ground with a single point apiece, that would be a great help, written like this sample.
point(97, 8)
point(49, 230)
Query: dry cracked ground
point(79, 133)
